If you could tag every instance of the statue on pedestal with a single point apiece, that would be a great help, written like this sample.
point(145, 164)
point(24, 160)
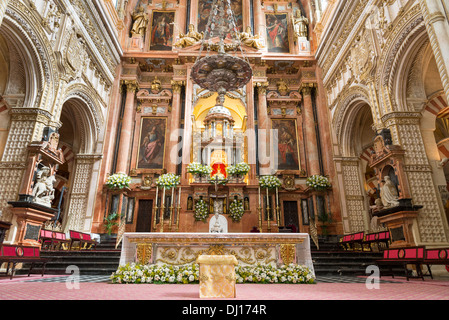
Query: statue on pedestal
point(389, 193)
point(248, 39)
point(140, 22)
point(218, 223)
point(189, 39)
point(43, 190)
point(300, 24)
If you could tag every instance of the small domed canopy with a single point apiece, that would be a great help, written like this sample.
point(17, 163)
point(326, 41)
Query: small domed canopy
point(219, 110)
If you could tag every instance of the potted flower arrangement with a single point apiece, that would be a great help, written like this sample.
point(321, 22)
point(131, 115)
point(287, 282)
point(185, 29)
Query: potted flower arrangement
point(199, 170)
point(168, 181)
point(318, 182)
point(239, 170)
point(118, 181)
point(236, 210)
point(201, 210)
point(269, 182)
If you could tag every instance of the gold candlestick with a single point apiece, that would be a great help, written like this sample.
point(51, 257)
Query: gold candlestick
point(155, 209)
point(163, 210)
point(268, 213)
point(179, 210)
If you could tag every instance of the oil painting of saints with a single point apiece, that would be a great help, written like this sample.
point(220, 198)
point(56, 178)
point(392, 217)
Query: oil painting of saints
point(205, 6)
point(287, 143)
point(152, 143)
point(162, 31)
point(277, 33)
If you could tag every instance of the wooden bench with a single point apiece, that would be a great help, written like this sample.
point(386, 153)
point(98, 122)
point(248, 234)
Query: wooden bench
point(84, 240)
point(53, 240)
point(403, 257)
point(12, 255)
point(377, 238)
point(349, 241)
point(46, 239)
point(436, 256)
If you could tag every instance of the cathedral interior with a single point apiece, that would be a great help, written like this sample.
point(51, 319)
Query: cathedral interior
point(301, 116)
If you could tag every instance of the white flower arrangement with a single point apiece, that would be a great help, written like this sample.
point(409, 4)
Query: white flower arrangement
point(168, 181)
point(270, 182)
point(318, 182)
point(239, 169)
point(198, 168)
point(118, 181)
point(218, 179)
point(236, 210)
point(201, 210)
point(189, 274)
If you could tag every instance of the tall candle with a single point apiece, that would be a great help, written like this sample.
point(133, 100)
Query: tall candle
point(259, 198)
point(163, 196)
point(172, 196)
point(179, 197)
point(157, 192)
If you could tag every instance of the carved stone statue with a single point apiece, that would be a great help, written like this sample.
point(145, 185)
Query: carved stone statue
point(300, 24)
point(250, 40)
point(218, 223)
point(389, 194)
point(140, 22)
point(189, 39)
point(43, 190)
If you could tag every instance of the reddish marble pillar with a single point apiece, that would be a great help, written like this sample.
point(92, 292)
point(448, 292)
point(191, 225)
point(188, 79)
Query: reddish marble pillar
point(173, 147)
point(127, 126)
point(263, 130)
point(310, 133)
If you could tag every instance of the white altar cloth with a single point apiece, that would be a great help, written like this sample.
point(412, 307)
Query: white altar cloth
point(249, 248)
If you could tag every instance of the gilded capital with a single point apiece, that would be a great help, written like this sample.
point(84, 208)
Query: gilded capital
point(177, 86)
point(262, 87)
point(131, 85)
point(306, 88)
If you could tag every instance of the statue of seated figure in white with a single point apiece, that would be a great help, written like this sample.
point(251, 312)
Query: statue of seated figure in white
point(218, 223)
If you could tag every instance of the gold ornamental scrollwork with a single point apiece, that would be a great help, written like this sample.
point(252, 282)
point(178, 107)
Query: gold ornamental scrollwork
point(288, 252)
point(144, 253)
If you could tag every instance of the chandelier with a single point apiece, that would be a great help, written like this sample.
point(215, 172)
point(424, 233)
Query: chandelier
point(221, 72)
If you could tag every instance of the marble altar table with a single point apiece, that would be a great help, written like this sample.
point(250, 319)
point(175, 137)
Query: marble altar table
point(250, 249)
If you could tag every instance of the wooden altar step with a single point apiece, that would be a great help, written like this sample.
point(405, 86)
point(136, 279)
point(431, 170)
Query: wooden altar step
point(331, 260)
point(104, 260)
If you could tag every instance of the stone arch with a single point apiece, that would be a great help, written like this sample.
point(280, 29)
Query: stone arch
point(88, 115)
point(346, 111)
point(404, 44)
point(35, 51)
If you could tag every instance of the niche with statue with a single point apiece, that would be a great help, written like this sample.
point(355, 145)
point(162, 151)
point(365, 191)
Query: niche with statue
point(34, 206)
point(394, 207)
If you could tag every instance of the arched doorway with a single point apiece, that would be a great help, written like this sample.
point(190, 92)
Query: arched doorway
point(78, 139)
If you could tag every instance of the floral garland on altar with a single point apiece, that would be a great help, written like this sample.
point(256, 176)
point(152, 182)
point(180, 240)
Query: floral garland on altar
point(118, 181)
point(201, 211)
point(168, 181)
point(189, 274)
point(270, 182)
point(236, 210)
point(318, 182)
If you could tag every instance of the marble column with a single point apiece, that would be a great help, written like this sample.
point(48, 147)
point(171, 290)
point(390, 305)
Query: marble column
point(127, 127)
point(310, 133)
point(434, 14)
point(173, 148)
point(3, 5)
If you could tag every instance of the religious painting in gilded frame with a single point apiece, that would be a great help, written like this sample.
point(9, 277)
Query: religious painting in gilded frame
point(161, 35)
point(152, 140)
point(204, 8)
point(277, 32)
point(286, 139)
